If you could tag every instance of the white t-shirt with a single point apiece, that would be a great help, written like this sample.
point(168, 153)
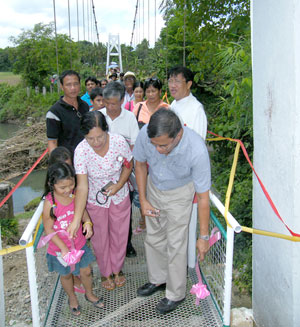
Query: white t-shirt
point(127, 98)
point(191, 113)
point(125, 125)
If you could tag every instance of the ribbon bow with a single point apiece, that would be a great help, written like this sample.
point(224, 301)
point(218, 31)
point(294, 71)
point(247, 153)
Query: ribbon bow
point(200, 289)
point(72, 257)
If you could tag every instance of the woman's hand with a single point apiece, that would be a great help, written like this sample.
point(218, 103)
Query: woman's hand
point(112, 189)
point(73, 228)
point(87, 230)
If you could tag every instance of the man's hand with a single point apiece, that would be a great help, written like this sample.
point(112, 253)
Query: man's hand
point(149, 210)
point(73, 228)
point(202, 247)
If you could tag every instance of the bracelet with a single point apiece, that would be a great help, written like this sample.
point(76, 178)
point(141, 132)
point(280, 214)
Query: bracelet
point(88, 222)
point(204, 237)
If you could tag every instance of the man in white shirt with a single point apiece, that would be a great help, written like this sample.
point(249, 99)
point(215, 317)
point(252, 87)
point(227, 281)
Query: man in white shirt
point(192, 114)
point(123, 122)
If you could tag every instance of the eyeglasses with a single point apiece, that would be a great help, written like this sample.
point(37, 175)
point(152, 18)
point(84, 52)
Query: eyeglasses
point(175, 81)
point(151, 79)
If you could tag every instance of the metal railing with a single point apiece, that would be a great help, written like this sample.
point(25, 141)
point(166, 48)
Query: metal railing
point(216, 269)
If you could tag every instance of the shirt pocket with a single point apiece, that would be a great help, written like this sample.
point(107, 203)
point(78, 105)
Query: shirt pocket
point(179, 170)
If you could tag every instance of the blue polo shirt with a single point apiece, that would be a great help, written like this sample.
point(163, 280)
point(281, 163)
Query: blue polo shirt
point(187, 162)
point(86, 97)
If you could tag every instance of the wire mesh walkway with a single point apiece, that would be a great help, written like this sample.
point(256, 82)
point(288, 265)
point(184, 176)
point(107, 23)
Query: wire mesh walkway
point(124, 309)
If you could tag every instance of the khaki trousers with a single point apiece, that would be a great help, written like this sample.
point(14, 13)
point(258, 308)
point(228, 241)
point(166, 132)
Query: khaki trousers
point(167, 237)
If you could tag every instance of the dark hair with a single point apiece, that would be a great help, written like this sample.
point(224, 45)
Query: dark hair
point(164, 121)
point(154, 81)
point(57, 172)
point(68, 73)
point(138, 84)
point(113, 75)
point(92, 79)
point(59, 154)
point(122, 74)
point(93, 119)
point(114, 90)
point(187, 73)
point(95, 92)
point(104, 80)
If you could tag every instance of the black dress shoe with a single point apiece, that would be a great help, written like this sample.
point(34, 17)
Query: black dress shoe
point(149, 289)
point(165, 305)
point(130, 252)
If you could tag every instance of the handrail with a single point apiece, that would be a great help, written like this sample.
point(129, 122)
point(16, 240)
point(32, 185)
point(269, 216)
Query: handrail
point(231, 220)
point(27, 234)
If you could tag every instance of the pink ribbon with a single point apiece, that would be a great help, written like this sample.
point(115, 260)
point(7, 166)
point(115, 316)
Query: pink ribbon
point(200, 289)
point(72, 257)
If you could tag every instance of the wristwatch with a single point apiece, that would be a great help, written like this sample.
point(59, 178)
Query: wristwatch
point(204, 237)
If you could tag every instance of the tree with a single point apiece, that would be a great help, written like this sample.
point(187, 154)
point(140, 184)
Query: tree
point(35, 54)
point(5, 62)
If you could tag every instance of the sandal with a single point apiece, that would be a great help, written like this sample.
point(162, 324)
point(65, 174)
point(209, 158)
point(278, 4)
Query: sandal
point(75, 311)
point(97, 304)
point(108, 283)
point(138, 230)
point(79, 289)
point(120, 279)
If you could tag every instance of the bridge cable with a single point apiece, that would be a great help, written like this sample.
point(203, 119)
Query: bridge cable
point(77, 21)
point(70, 34)
point(96, 26)
point(83, 21)
point(136, 8)
point(56, 48)
point(184, 26)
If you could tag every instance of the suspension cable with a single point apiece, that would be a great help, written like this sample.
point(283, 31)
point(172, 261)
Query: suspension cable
point(83, 22)
point(136, 8)
point(184, 26)
point(96, 26)
point(77, 21)
point(70, 33)
point(56, 48)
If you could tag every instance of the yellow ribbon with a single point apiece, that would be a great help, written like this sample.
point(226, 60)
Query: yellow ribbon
point(228, 195)
point(20, 247)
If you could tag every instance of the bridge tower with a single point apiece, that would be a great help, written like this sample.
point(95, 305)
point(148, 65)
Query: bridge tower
point(114, 49)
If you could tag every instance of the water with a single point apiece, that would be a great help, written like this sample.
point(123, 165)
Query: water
point(32, 187)
point(8, 130)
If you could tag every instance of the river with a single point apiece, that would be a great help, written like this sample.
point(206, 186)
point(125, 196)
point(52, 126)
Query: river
point(33, 186)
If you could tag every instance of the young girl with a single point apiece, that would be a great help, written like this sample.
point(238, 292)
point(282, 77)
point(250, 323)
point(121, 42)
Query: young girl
point(58, 213)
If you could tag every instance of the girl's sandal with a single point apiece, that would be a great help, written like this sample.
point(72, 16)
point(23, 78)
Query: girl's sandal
point(97, 304)
point(108, 283)
point(120, 279)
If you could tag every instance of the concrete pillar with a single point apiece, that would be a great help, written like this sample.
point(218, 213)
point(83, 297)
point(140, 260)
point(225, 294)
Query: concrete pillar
point(276, 115)
point(6, 211)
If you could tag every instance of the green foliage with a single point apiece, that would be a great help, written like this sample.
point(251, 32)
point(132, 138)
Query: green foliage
point(17, 105)
point(33, 204)
point(6, 91)
point(9, 229)
point(35, 54)
point(5, 61)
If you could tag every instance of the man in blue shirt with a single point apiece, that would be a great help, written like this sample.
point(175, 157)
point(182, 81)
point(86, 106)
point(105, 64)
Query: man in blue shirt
point(90, 84)
point(179, 165)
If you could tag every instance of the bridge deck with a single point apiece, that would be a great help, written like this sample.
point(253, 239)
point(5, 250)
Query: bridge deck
point(124, 309)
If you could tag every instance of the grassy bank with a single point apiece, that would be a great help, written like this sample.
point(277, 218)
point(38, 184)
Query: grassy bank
point(9, 78)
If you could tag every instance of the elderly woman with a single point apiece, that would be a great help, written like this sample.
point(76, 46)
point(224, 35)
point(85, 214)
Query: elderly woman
point(103, 163)
point(144, 110)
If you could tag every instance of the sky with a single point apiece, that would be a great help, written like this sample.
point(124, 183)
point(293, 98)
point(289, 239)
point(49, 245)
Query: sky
point(113, 17)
